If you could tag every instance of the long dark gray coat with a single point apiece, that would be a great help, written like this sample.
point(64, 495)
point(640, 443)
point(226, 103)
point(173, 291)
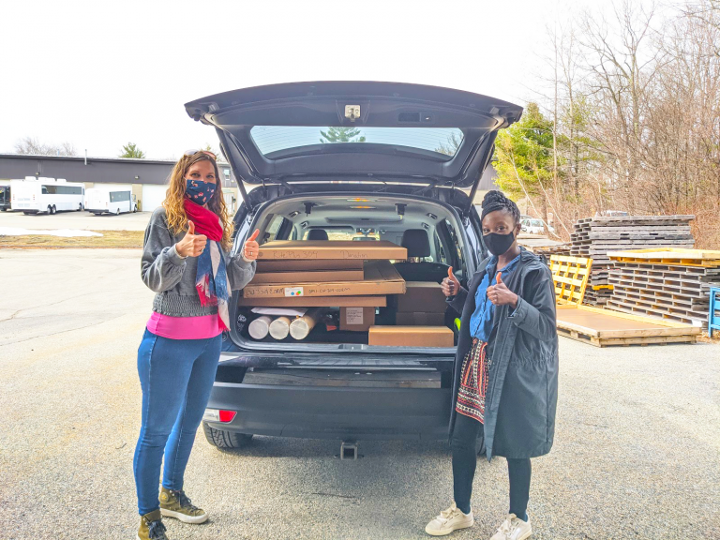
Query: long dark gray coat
point(522, 391)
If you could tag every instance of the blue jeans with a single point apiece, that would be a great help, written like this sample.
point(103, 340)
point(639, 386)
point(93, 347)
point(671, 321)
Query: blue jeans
point(176, 376)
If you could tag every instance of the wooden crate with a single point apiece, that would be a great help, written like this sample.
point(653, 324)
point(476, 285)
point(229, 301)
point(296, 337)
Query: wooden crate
point(570, 275)
point(601, 328)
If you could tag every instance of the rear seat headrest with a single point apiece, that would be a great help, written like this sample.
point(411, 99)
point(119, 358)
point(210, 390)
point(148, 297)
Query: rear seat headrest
point(317, 234)
point(417, 243)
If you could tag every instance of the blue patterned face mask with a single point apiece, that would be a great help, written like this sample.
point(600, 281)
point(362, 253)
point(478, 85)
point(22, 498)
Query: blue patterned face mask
point(198, 191)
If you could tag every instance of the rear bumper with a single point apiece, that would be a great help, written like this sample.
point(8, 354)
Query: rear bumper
point(343, 413)
point(97, 210)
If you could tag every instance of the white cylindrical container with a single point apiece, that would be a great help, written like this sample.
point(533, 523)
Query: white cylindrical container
point(280, 328)
point(301, 327)
point(260, 327)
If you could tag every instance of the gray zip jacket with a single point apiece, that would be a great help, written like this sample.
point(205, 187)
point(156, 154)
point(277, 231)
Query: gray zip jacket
point(173, 278)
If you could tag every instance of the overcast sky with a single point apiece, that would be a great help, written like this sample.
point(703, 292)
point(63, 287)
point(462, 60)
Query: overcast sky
point(101, 74)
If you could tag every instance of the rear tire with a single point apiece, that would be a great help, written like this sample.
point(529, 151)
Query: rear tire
point(51, 210)
point(134, 208)
point(117, 212)
point(80, 208)
point(226, 440)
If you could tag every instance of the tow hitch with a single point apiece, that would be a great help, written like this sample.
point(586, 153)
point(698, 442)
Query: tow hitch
point(349, 450)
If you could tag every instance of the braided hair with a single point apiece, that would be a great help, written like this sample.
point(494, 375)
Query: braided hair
point(495, 200)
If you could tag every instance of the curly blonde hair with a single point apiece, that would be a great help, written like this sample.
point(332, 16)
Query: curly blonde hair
point(175, 199)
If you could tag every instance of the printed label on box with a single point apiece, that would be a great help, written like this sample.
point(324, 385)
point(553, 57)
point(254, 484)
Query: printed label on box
point(354, 316)
point(293, 291)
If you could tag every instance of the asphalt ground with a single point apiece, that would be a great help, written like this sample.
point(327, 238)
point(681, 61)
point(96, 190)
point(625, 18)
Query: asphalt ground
point(636, 452)
point(84, 221)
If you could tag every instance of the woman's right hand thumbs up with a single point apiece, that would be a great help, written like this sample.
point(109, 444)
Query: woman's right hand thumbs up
point(192, 244)
point(450, 285)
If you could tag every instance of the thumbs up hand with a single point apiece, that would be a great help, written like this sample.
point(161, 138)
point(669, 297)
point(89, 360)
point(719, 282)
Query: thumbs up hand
point(450, 285)
point(251, 247)
point(500, 295)
point(192, 244)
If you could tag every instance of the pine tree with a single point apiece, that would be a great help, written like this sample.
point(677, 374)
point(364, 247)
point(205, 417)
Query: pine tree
point(130, 150)
point(342, 135)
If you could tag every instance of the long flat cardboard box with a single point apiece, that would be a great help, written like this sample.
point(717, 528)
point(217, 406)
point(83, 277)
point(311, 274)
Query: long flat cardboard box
point(411, 336)
point(315, 301)
point(308, 276)
point(331, 249)
point(302, 265)
point(381, 278)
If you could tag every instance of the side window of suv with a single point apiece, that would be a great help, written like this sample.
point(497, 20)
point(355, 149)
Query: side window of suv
point(278, 226)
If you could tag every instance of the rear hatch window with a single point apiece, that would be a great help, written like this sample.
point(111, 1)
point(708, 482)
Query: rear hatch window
point(271, 139)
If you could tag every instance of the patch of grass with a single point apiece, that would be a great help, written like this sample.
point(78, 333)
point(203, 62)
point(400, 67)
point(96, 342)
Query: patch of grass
point(109, 239)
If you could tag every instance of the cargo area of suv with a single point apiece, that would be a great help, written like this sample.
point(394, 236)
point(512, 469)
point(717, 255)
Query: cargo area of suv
point(379, 178)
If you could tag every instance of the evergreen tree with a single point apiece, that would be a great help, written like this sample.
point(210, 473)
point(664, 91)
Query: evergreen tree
point(130, 150)
point(342, 135)
point(524, 154)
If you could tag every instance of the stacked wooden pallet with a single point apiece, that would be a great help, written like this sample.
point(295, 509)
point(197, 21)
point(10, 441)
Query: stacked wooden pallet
point(595, 237)
point(672, 284)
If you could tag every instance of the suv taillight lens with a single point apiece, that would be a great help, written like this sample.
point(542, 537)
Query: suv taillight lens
point(216, 415)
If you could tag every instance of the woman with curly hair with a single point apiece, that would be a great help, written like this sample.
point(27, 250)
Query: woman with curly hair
point(506, 369)
point(186, 262)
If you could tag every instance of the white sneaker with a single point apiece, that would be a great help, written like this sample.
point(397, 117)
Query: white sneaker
point(449, 520)
point(513, 528)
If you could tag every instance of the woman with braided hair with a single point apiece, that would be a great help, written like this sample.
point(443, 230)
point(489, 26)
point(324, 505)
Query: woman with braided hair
point(506, 369)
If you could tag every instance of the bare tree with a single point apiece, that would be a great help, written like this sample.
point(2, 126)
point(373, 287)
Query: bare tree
point(31, 145)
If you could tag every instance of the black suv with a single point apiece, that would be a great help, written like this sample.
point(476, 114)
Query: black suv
point(349, 160)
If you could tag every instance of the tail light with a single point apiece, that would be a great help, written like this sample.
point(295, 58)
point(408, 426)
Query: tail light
point(217, 415)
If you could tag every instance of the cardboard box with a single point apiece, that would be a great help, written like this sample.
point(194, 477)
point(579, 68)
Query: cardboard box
point(381, 278)
point(411, 336)
point(357, 319)
point(420, 319)
point(303, 265)
point(315, 301)
point(331, 249)
point(422, 296)
point(314, 276)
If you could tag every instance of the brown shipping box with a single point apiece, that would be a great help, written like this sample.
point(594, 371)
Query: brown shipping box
point(381, 278)
point(411, 336)
point(331, 249)
point(314, 276)
point(265, 266)
point(357, 319)
point(422, 296)
point(315, 301)
point(419, 318)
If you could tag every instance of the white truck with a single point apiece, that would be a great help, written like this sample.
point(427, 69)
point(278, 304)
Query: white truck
point(115, 199)
point(37, 195)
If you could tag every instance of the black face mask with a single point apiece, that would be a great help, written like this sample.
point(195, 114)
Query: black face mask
point(498, 244)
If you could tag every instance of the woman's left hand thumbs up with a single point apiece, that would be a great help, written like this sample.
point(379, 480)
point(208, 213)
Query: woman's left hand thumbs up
point(500, 295)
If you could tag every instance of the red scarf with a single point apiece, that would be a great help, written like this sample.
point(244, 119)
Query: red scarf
point(206, 222)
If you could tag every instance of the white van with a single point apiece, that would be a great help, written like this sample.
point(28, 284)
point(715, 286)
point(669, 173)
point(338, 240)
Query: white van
point(39, 195)
point(110, 200)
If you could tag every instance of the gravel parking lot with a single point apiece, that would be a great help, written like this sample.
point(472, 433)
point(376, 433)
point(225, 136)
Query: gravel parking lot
point(636, 453)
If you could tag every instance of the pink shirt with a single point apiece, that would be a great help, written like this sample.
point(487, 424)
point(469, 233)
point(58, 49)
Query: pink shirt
point(202, 327)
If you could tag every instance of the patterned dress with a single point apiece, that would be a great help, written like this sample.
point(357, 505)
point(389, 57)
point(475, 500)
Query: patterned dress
point(474, 382)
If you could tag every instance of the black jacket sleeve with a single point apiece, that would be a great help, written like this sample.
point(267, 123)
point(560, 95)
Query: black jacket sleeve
point(535, 312)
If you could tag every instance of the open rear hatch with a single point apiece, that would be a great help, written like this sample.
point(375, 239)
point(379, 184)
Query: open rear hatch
point(321, 132)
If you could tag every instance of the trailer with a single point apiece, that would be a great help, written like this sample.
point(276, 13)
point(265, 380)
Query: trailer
point(46, 195)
